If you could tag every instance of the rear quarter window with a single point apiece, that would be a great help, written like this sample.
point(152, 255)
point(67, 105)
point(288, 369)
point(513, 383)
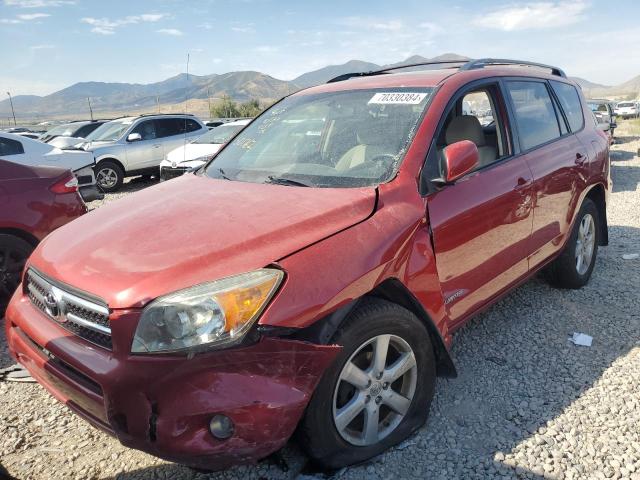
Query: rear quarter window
point(9, 146)
point(534, 113)
point(570, 103)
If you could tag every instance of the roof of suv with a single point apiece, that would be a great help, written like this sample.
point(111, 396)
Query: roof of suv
point(474, 69)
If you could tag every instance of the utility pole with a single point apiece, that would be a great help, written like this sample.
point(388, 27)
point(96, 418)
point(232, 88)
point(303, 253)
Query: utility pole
point(158, 103)
point(12, 110)
point(90, 109)
point(209, 100)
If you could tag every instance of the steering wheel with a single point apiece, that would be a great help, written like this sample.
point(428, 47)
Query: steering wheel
point(382, 162)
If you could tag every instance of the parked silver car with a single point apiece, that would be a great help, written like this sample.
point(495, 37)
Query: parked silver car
point(132, 146)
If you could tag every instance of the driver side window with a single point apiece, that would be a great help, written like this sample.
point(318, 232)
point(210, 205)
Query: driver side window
point(146, 129)
point(475, 116)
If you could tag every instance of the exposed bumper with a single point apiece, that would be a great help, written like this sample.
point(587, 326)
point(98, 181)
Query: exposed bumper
point(91, 193)
point(162, 405)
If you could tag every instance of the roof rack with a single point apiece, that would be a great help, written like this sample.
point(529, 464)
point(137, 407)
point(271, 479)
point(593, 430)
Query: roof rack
point(483, 62)
point(162, 114)
point(347, 76)
point(462, 65)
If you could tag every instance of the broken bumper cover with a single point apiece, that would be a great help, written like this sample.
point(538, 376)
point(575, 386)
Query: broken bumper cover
point(163, 404)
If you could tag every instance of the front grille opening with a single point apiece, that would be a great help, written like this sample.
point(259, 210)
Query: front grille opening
point(80, 316)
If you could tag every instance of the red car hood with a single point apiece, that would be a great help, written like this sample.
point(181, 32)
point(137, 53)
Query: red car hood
point(192, 230)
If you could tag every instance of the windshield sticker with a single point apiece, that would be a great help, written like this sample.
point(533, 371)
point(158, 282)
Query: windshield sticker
point(397, 98)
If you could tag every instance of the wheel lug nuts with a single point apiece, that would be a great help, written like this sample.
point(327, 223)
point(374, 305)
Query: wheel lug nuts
point(379, 376)
point(385, 385)
point(368, 383)
point(378, 400)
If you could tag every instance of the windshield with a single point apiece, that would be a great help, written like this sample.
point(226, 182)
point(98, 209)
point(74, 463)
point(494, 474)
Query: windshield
point(60, 130)
point(220, 134)
point(109, 131)
point(341, 139)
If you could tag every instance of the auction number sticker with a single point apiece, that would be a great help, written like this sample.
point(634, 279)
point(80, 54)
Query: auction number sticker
point(397, 98)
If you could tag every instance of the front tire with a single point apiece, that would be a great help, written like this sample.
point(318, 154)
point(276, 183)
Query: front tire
point(109, 176)
point(378, 390)
point(14, 252)
point(572, 269)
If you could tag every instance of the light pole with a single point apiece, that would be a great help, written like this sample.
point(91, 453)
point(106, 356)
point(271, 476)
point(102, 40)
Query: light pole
point(12, 110)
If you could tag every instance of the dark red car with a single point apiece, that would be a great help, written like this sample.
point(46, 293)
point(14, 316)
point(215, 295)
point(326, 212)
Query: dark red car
point(309, 278)
point(33, 202)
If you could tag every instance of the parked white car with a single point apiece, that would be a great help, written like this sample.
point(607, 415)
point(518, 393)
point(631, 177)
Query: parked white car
point(26, 151)
point(627, 109)
point(136, 145)
point(199, 151)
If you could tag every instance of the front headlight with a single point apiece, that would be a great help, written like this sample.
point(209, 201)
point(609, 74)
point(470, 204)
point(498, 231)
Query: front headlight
point(216, 314)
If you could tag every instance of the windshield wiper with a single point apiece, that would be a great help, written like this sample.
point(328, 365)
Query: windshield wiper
point(285, 181)
point(223, 175)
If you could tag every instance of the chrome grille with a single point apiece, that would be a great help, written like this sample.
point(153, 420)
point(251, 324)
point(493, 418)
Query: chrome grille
point(82, 317)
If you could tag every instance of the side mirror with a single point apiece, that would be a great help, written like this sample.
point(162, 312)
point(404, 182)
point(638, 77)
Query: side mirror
point(134, 137)
point(460, 158)
point(605, 127)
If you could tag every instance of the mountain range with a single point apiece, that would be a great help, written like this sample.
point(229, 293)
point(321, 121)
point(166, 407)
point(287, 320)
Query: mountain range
point(119, 98)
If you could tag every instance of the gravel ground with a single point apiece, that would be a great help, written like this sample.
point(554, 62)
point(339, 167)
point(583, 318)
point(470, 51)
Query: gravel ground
point(527, 403)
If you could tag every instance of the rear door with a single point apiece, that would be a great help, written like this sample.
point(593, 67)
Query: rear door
point(557, 159)
point(481, 224)
point(175, 132)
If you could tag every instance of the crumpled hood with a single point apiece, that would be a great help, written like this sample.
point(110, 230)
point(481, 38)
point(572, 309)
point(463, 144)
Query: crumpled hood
point(192, 230)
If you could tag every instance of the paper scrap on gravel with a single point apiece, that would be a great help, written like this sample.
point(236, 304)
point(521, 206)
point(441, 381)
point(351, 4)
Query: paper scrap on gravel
point(631, 256)
point(581, 339)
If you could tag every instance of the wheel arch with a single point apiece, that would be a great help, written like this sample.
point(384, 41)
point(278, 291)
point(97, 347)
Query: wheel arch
point(598, 196)
point(114, 160)
point(394, 291)
point(22, 234)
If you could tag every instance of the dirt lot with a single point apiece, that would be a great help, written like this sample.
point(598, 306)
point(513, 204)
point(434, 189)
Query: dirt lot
point(527, 403)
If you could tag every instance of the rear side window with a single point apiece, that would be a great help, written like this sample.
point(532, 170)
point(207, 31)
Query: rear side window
point(167, 127)
point(10, 147)
point(570, 102)
point(534, 113)
point(192, 125)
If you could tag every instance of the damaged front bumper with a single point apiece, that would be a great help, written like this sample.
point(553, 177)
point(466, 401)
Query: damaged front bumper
point(163, 404)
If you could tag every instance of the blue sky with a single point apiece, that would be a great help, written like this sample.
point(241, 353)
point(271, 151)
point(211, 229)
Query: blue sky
point(50, 44)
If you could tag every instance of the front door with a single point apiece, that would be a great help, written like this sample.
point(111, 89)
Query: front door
point(146, 152)
point(481, 225)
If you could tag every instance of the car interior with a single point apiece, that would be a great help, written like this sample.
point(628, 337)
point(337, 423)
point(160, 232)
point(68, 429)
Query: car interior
point(473, 117)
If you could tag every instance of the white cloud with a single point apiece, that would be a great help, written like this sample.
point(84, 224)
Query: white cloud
point(9, 21)
point(33, 16)
point(45, 46)
point(107, 26)
point(38, 3)
point(266, 49)
point(170, 31)
point(534, 15)
point(372, 23)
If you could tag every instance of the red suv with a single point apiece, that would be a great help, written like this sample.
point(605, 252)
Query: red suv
point(309, 278)
point(33, 202)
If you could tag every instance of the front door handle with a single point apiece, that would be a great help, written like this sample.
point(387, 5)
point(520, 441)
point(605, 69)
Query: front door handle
point(522, 184)
point(580, 158)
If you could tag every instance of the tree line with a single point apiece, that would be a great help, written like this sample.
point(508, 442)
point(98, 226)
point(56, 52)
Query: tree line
point(228, 108)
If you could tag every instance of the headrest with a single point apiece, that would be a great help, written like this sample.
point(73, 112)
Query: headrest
point(465, 127)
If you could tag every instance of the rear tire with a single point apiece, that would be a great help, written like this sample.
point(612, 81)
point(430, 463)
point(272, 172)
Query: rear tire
point(109, 176)
point(572, 269)
point(391, 402)
point(14, 252)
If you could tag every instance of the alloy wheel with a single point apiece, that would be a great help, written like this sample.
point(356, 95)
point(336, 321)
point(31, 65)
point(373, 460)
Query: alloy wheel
point(107, 177)
point(375, 390)
point(585, 243)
